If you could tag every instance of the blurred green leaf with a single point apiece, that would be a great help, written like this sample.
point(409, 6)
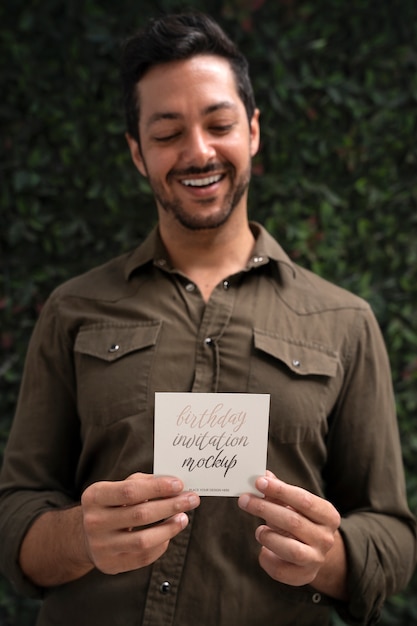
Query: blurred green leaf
point(336, 83)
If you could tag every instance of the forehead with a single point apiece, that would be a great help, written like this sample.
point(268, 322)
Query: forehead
point(177, 86)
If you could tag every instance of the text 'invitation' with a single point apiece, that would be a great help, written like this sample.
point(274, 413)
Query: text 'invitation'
point(216, 443)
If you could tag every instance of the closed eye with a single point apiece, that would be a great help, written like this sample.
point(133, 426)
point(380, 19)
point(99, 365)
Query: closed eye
point(166, 138)
point(224, 128)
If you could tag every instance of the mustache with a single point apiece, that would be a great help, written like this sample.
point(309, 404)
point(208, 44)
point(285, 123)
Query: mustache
point(199, 171)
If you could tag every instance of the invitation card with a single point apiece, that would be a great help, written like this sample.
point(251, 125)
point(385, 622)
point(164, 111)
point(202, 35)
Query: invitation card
point(216, 443)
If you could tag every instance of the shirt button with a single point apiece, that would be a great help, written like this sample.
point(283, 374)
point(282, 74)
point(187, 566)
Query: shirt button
point(165, 588)
point(226, 285)
point(161, 262)
point(296, 363)
point(190, 287)
point(114, 348)
point(316, 598)
point(258, 259)
point(208, 341)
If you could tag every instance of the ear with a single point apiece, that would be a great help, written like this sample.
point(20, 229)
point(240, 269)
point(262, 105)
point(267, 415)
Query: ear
point(136, 155)
point(255, 133)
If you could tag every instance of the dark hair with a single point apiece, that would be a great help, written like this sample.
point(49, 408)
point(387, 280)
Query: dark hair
point(174, 38)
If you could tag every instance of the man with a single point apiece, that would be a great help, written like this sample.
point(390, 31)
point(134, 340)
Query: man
point(208, 303)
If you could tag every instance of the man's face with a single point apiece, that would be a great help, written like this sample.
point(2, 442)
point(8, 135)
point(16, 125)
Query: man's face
point(196, 143)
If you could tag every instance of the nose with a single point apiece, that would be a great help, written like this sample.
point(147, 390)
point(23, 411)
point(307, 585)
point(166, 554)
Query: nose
point(198, 149)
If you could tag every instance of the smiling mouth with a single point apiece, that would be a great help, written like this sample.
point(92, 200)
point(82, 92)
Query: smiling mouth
point(202, 182)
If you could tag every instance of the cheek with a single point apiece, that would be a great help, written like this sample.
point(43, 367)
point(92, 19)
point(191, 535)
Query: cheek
point(237, 151)
point(158, 164)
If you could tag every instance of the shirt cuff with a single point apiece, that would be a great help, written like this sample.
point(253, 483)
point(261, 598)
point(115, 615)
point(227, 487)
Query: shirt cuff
point(366, 579)
point(24, 508)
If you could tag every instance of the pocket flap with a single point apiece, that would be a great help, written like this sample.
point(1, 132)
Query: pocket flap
point(301, 358)
point(112, 342)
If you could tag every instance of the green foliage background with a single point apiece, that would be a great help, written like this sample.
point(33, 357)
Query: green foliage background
point(335, 181)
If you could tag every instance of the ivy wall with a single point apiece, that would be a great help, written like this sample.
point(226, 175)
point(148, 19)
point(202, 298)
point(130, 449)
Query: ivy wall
point(335, 180)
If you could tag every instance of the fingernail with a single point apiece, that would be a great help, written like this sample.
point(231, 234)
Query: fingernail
point(193, 500)
point(243, 501)
point(262, 483)
point(176, 485)
point(182, 519)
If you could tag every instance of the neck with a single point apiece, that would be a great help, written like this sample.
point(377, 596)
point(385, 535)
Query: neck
point(208, 256)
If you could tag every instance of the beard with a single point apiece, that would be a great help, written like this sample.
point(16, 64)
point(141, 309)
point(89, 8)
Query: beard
point(199, 220)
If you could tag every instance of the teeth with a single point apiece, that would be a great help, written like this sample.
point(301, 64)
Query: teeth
point(201, 182)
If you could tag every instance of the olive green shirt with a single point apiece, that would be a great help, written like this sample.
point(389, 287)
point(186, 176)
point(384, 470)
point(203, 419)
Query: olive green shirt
point(108, 340)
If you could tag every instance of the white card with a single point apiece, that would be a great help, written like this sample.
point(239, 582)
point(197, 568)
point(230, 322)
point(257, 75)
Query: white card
point(216, 443)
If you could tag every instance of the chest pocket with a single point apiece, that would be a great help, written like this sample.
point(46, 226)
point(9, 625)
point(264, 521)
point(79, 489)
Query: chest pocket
point(112, 366)
point(297, 375)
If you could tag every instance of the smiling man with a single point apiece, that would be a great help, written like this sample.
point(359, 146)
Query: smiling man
point(208, 303)
point(196, 145)
point(196, 151)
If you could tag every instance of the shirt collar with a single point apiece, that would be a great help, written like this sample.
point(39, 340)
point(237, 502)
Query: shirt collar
point(152, 250)
point(267, 249)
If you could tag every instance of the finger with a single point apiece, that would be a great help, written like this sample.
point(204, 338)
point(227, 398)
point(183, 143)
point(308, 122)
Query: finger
point(135, 489)
point(104, 519)
point(314, 526)
point(154, 511)
point(284, 571)
point(287, 548)
point(313, 507)
point(143, 540)
point(132, 550)
point(286, 522)
point(141, 487)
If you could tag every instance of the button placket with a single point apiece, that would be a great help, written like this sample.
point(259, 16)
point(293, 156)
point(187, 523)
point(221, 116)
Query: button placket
point(214, 322)
point(166, 574)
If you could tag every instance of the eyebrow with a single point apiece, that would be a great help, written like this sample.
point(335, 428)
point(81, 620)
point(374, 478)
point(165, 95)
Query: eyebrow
point(169, 115)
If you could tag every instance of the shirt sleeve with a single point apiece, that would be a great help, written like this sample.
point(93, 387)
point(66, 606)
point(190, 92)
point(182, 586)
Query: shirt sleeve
point(42, 451)
point(365, 478)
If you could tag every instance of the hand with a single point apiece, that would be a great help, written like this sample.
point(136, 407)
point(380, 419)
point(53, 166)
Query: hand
point(129, 524)
point(299, 533)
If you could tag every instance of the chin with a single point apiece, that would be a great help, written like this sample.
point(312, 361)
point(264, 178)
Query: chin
point(210, 222)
